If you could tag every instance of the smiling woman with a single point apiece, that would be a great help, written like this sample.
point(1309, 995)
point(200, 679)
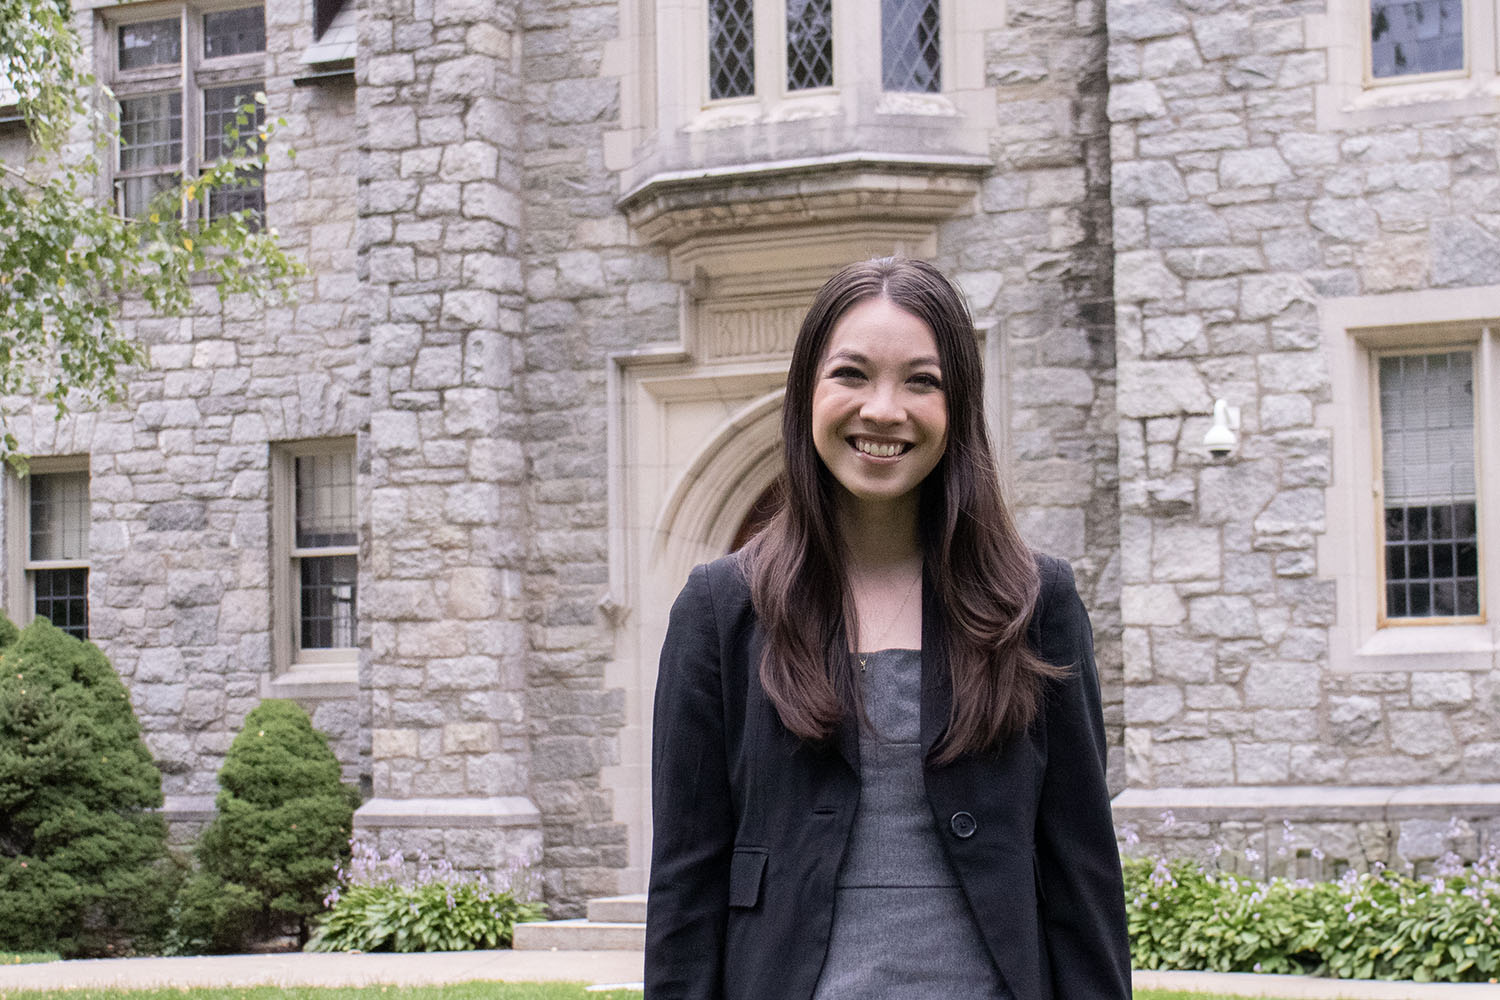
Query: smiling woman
point(862, 792)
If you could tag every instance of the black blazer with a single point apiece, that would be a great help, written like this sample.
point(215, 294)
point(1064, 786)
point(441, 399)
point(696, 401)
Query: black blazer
point(751, 823)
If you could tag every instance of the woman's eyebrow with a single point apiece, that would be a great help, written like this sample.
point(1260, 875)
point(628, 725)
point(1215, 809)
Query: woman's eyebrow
point(860, 359)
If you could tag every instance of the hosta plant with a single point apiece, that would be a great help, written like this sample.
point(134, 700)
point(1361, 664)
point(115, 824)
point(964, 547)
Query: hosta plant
point(382, 904)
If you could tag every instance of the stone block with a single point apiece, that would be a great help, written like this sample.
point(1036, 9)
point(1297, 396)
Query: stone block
point(469, 161)
point(1137, 20)
point(1157, 604)
point(1152, 704)
point(469, 76)
point(1350, 219)
point(1206, 761)
point(1422, 734)
point(1464, 253)
point(1292, 512)
point(388, 743)
point(1161, 388)
point(1270, 684)
point(1393, 263)
point(1262, 763)
point(1441, 689)
point(1228, 617)
point(1185, 552)
point(1252, 167)
point(1166, 336)
point(464, 673)
point(1146, 182)
point(1135, 101)
point(1223, 35)
point(1265, 295)
point(468, 737)
point(475, 592)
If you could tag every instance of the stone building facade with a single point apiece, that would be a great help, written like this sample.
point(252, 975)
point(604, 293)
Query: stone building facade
point(557, 254)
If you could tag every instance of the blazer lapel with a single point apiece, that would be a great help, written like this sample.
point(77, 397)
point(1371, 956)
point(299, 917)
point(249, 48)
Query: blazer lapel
point(937, 685)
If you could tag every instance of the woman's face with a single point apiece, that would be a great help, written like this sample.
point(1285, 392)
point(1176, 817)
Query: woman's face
point(879, 414)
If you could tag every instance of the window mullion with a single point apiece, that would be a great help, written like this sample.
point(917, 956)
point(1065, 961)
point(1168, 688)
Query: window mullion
point(192, 104)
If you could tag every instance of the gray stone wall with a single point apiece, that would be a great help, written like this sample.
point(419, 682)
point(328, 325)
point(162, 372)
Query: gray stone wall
point(1034, 261)
point(440, 216)
point(1234, 218)
point(589, 293)
point(179, 587)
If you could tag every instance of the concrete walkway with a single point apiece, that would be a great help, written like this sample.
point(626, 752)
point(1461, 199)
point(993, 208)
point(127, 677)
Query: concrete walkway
point(594, 967)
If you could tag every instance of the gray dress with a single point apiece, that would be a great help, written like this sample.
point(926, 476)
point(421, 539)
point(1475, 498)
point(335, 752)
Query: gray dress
point(902, 929)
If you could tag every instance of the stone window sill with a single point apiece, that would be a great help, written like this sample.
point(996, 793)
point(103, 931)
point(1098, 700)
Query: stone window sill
point(317, 681)
point(1429, 647)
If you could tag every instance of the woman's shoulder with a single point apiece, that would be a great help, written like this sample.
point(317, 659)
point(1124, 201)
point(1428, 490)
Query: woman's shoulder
point(723, 583)
point(1056, 575)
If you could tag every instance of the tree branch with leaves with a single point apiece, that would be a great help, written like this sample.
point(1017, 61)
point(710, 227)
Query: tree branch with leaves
point(69, 260)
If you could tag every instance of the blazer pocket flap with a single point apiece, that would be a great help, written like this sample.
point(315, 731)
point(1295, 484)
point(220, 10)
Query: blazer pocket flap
point(746, 870)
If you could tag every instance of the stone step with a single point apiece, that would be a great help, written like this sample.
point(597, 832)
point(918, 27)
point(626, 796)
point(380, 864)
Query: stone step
point(579, 935)
point(618, 909)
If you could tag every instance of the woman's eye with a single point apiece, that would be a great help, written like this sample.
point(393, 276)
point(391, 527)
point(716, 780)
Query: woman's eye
point(846, 372)
point(927, 381)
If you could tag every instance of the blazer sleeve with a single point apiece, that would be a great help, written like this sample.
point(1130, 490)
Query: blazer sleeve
point(1078, 864)
point(693, 834)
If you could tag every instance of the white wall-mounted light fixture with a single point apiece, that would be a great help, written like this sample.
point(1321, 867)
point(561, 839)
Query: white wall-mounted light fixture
point(1221, 439)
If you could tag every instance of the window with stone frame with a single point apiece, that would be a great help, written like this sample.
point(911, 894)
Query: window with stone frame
point(803, 29)
point(57, 545)
point(1429, 516)
point(186, 80)
point(316, 552)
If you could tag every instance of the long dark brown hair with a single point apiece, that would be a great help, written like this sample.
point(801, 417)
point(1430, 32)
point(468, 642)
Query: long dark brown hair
point(982, 575)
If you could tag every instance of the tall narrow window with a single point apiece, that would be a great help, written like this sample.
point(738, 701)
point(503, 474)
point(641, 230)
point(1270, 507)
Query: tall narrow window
point(1427, 469)
point(731, 48)
point(57, 564)
point(1409, 37)
point(910, 45)
point(324, 550)
point(809, 44)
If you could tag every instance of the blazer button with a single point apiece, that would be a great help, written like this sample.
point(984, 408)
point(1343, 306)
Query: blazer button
point(963, 825)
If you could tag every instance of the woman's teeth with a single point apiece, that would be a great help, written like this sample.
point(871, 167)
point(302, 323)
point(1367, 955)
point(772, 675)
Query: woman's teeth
point(878, 450)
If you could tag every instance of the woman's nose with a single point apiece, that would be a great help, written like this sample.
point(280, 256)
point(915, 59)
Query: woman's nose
point(883, 404)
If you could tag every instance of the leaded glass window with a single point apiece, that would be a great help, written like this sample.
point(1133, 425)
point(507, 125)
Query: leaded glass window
point(809, 44)
point(149, 43)
point(731, 48)
point(234, 32)
point(325, 534)
point(150, 149)
point(58, 549)
point(1428, 477)
point(1408, 37)
point(910, 45)
point(231, 117)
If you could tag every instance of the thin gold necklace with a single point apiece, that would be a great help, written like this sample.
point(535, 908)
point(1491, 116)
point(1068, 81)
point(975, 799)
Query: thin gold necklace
point(910, 589)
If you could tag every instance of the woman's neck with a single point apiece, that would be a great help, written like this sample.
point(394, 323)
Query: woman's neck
point(879, 536)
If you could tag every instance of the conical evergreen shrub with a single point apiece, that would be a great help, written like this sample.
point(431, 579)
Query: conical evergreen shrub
point(82, 852)
point(283, 825)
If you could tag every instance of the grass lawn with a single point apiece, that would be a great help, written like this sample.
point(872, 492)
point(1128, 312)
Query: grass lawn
point(27, 957)
point(462, 991)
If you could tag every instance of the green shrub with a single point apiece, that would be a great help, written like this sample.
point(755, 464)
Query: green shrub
point(1376, 925)
point(83, 862)
point(380, 906)
point(282, 828)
